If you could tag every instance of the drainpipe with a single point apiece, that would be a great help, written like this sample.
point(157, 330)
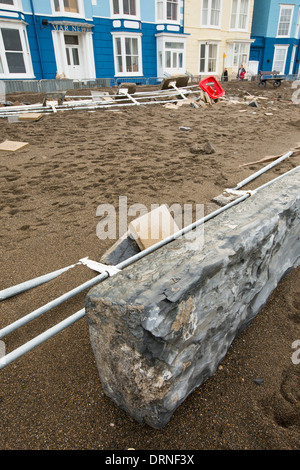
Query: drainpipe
point(37, 38)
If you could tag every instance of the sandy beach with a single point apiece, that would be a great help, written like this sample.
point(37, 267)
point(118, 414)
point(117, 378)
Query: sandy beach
point(51, 398)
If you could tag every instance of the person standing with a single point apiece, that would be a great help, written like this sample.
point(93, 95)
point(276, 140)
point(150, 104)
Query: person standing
point(241, 73)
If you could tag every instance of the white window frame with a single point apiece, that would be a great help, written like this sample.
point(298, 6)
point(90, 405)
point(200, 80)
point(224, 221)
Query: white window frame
point(207, 44)
point(285, 7)
point(21, 27)
point(293, 57)
point(16, 6)
point(137, 16)
point(231, 54)
point(283, 47)
point(209, 25)
point(298, 25)
point(62, 11)
point(236, 28)
point(164, 18)
point(123, 36)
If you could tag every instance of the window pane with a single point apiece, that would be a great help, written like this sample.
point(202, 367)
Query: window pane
point(11, 39)
point(174, 45)
point(7, 2)
point(15, 62)
point(215, 13)
point(1, 66)
point(284, 21)
point(132, 7)
point(202, 58)
point(172, 10)
point(75, 55)
point(160, 10)
point(116, 7)
point(119, 65)
point(129, 7)
point(127, 46)
point(126, 7)
point(68, 56)
point(180, 55)
point(134, 45)
point(244, 7)
point(72, 40)
point(168, 59)
point(118, 46)
point(56, 5)
point(202, 65)
point(202, 51)
point(174, 60)
point(71, 6)
point(234, 14)
point(128, 64)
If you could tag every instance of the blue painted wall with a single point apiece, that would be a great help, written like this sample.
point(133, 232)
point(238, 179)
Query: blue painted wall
point(99, 15)
point(264, 31)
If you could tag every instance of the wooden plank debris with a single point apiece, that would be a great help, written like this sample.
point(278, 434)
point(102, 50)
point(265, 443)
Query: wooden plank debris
point(152, 227)
point(12, 146)
point(30, 116)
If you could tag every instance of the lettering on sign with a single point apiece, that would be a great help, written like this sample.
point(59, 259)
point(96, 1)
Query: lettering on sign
point(72, 28)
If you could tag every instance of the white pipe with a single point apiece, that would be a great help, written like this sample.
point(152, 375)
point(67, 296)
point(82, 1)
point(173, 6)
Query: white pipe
point(53, 303)
point(17, 289)
point(263, 170)
point(76, 316)
point(5, 360)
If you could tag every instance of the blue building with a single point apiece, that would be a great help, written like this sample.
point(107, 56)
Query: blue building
point(87, 39)
point(275, 31)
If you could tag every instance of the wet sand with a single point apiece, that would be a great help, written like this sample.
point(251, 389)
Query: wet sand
point(51, 398)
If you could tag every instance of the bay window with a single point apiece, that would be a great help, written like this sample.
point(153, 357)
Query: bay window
point(171, 54)
point(238, 54)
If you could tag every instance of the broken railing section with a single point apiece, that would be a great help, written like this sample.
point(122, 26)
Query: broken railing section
point(172, 90)
point(161, 328)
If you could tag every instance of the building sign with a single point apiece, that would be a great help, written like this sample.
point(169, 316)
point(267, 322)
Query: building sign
point(73, 28)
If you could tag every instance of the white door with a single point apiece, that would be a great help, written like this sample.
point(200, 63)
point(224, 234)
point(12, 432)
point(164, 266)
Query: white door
point(174, 57)
point(253, 67)
point(75, 68)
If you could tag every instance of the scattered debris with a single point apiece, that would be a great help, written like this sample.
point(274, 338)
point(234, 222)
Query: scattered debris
point(183, 128)
point(12, 146)
point(30, 116)
point(197, 149)
point(152, 227)
point(258, 381)
point(208, 148)
point(253, 104)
